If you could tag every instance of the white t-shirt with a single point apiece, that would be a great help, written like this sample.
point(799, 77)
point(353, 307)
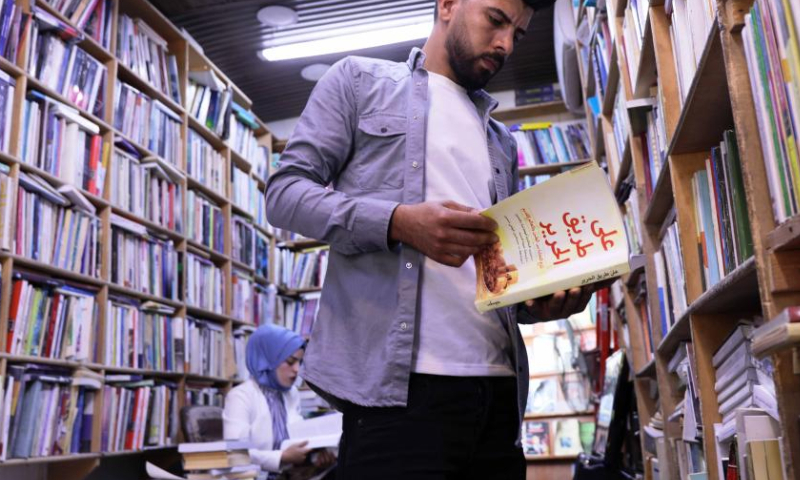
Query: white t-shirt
point(453, 337)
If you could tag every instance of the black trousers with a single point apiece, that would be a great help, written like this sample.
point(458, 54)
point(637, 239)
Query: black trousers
point(452, 428)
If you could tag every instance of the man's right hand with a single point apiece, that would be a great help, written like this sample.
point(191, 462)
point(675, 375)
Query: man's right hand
point(295, 454)
point(446, 232)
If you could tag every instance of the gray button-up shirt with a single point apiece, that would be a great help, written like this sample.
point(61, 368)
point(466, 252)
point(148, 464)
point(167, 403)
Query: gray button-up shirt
point(363, 134)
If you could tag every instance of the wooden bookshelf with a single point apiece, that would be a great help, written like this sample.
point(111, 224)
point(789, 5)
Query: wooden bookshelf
point(550, 169)
point(518, 114)
point(719, 98)
point(81, 465)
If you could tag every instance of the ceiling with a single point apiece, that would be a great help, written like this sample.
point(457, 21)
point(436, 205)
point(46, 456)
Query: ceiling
point(231, 37)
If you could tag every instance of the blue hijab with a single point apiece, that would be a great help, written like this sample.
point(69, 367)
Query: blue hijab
point(268, 347)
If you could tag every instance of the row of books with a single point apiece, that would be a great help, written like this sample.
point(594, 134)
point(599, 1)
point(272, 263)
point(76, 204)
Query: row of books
point(59, 141)
point(205, 348)
point(771, 38)
point(245, 191)
point(632, 38)
point(621, 124)
point(546, 143)
point(242, 138)
point(302, 269)
point(558, 395)
point(91, 17)
point(261, 163)
point(146, 52)
point(7, 88)
point(243, 296)
point(147, 122)
point(47, 411)
point(148, 187)
point(56, 227)
point(143, 261)
point(298, 313)
point(265, 301)
point(8, 192)
point(201, 394)
point(243, 238)
point(240, 337)
point(50, 319)
point(210, 101)
point(670, 277)
point(632, 222)
point(205, 222)
point(556, 438)
point(55, 59)
point(144, 336)
point(16, 24)
point(691, 23)
point(204, 163)
point(602, 45)
point(654, 142)
point(722, 222)
point(204, 284)
point(538, 94)
point(687, 414)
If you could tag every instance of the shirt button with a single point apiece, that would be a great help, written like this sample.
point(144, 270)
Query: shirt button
point(408, 265)
point(404, 326)
point(414, 164)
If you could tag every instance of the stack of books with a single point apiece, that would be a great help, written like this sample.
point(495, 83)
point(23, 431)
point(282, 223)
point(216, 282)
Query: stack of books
point(299, 313)
point(670, 277)
point(723, 225)
point(205, 348)
point(537, 94)
point(55, 59)
point(205, 286)
point(203, 394)
point(138, 413)
point(143, 336)
point(691, 457)
point(655, 443)
point(8, 202)
point(242, 285)
point(245, 190)
point(143, 261)
point(226, 459)
point(92, 17)
point(56, 227)
point(772, 47)
point(205, 222)
point(243, 248)
point(51, 320)
point(47, 411)
point(298, 270)
point(547, 143)
point(240, 337)
point(145, 52)
point(148, 122)
point(778, 334)
point(210, 101)
point(242, 138)
point(204, 163)
point(147, 187)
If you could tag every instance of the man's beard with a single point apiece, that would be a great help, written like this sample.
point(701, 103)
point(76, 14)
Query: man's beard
point(465, 65)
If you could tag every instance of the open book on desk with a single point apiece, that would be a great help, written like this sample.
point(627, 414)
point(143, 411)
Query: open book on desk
point(564, 233)
point(319, 432)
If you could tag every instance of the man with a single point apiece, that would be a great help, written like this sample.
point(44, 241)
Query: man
point(429, 387)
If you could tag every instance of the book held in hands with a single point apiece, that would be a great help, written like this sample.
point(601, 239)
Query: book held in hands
point(564, 233)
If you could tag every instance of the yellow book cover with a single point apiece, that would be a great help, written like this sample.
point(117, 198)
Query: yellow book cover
point(566, 232)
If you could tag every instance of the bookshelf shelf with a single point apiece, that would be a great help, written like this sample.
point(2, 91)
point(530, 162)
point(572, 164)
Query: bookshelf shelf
point(242, 266)
point(53, 180)
point(88, 43)
point(48, 269)
point(649, 370)
point(154, 227)
point(551, 458)
point(213, 255)
point(262, 184)
point(662, 200)
point(261, 280)
point(128, 292)
point(624, 166)
point(75, 457)
point(539, 416)
point(140, 371)
point(610, 96)
point(707, 111)
point(786, 236)
point(11, 68)
point(144, 151)
point(264, 231)
point(529, 111)
point(203, 378)
point(203, 314)
point(646, 70)
point(241, 211)
point(206, 133)
point(34, 84)
point(208, 192)
point(637, 265)
point(551, 168)
point(145, 450)
point(296, 292)
point(55, 362)
point(554, 373)
point(132, 78)
point(240, 161)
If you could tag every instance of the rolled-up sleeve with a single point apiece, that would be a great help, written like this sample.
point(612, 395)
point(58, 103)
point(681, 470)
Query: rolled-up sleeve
point(322, 142)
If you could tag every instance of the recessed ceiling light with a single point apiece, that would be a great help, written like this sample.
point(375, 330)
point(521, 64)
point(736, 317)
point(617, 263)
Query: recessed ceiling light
point(277, 16)
point(315, 71)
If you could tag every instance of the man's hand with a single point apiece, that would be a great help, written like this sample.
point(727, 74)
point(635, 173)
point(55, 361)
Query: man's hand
point(324, 459)
point(565, 303)
point(295, 454)
point(446, 232)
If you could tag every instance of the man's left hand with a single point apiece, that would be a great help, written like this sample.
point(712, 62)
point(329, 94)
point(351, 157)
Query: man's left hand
point(564, 303)
point(324, 459)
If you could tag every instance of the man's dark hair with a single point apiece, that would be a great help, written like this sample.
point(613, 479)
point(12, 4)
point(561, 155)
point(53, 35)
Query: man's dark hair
point(536, 5)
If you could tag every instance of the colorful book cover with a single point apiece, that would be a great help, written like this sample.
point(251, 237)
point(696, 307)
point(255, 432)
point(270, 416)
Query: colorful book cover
point(536, 438)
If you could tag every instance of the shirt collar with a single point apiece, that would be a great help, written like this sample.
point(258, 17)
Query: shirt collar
point(485, 102)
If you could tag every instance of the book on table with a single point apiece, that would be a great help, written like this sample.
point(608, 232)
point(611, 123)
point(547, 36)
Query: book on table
point(560, 234)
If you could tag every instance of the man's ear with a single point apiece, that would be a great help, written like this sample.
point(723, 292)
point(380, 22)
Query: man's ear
point(446, 9)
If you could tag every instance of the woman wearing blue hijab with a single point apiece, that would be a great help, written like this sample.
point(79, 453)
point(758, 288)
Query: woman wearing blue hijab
point(260, 408)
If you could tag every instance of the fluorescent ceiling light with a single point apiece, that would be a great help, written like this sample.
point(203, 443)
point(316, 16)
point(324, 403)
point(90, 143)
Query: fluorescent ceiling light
point(375, 37)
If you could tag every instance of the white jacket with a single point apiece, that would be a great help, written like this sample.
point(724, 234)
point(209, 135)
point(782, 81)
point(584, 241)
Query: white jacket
point(247, 415)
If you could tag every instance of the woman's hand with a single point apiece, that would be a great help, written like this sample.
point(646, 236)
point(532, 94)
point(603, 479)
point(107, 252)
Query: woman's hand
point(295, 454)
point(324, 459)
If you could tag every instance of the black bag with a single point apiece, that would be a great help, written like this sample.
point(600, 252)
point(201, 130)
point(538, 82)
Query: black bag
point(590, 467)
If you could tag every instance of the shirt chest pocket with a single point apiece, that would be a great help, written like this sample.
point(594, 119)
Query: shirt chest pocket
point(380, 151)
